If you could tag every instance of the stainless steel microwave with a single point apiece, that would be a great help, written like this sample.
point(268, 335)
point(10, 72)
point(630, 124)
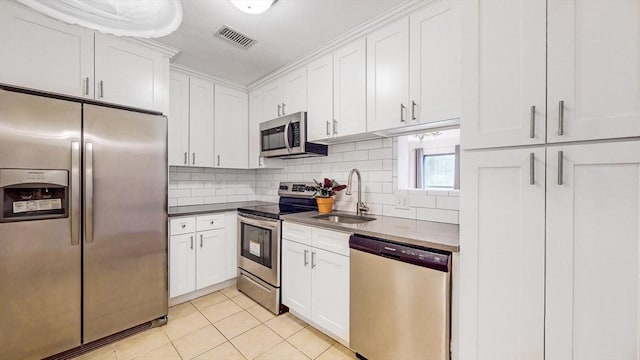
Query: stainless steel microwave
point(286, 136)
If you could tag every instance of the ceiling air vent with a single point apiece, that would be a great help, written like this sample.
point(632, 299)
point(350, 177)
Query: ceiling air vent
point(235, 37)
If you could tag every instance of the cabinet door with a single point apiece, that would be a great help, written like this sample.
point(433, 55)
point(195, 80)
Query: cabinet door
point(502, 255)
point(182, 264)
point(330, 292)
point(201, 122)
point(295, 85)
point(320, 98)
point(594, 48)
point(231, 123)
point(350, 89)
point(296, 277)
point(388, 76)
point(211, 254)
point(256, 116)
point(274, 94)
point(128, 74)
point(434, 61)
point(503, 67)
point(44, 54)
point(178, 120)
point(231, 234)
point(593, 277)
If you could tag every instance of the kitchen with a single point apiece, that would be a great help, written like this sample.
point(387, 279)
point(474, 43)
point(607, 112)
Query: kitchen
point(541, 96)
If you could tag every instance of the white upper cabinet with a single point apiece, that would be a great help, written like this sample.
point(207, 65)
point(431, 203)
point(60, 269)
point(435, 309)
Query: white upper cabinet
point(178, 120)
point(434, 62)
point(388, 76)
point(256, 116)
point(593, 243)
point(274, 94)
point(128, 74)
point(295, 85)
point(320, 98)
point(231, 122)
point(502, 254)
point(350, 89)
point(201, 122)
point(504, 73)
point(594, 69)
point(44, 54)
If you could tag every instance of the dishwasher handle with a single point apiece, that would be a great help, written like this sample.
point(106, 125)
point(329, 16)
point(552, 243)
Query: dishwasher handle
point(415, 255)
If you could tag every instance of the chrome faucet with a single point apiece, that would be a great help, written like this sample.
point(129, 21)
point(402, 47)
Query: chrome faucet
point(360, 206)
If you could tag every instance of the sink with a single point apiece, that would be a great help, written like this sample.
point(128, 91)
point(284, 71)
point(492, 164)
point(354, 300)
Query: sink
point(344, 218)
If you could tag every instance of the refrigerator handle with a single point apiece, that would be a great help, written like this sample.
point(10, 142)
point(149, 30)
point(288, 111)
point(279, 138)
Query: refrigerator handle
point(75, 193)
point(88, 195)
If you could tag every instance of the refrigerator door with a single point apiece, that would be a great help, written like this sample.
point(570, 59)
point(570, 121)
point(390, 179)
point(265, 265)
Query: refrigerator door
point(125, 220)
point(40, 259)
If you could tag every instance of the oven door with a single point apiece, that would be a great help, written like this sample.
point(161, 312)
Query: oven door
point(259, 247)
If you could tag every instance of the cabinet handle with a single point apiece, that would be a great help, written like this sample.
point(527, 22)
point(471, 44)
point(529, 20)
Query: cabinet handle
point(279, 106)
point(260, 161)
point(327, 129)
point(402, 112)
point(560, 166)
point(201, 241)
point(561, 117)
point(212, 222)
point(413, 110)
point(86, 86)
point(183, 226)
point(101, 89)
point(306, 262)
point(185, 158)
point(193, 159)
point(218, 160)
point(335, 127)
point(192, 243)
point(283, 113)
point(532, 122)
point(532, 169)
point(313, 259)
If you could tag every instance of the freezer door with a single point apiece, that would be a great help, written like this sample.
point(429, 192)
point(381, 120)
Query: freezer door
point(40, 259)
point(125, 215)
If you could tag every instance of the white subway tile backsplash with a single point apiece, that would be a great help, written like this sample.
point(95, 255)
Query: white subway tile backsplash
point(376, 159)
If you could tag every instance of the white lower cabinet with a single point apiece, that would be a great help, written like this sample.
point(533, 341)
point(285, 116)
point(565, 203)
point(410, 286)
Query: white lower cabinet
point(315, 279)
point(550, 252)
point(199, 249)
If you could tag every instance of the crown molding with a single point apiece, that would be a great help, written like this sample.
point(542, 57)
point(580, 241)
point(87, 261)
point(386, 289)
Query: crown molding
point(356, 33)
point(168, 51)
point(198, 74)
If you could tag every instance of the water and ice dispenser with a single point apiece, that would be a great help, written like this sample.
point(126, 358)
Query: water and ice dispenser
point(33, 194)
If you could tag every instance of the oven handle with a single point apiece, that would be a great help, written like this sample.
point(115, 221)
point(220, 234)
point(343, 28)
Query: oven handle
point(286, 136)
point(261, 222)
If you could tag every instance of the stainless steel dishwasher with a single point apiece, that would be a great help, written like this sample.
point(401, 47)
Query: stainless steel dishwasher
point(400, 300)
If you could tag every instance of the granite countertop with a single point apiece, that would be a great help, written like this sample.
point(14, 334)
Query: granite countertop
point(429, 234)
point(211, 208)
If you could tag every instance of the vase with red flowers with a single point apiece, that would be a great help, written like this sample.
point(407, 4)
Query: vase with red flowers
point(325, 192)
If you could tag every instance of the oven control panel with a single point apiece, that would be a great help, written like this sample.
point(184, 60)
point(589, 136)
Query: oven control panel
point(297, 189)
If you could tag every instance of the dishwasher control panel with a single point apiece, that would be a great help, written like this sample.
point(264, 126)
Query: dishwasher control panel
point(430, 258)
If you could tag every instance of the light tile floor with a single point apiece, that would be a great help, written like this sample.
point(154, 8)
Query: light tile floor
point(225, 325)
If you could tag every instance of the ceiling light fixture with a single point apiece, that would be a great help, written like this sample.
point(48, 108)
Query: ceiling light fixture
point(141, 18)
point(253, 6)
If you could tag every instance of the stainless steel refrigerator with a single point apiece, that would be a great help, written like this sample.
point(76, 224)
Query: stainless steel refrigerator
point(83, 222)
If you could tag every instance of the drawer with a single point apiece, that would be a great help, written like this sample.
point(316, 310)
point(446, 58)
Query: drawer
point(295, 232)
point(183, 225)
point(210, 222)
point(334, 241)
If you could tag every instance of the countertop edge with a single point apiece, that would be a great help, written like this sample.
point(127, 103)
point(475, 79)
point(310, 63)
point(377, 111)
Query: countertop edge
point(297, 218)
point(190, 210)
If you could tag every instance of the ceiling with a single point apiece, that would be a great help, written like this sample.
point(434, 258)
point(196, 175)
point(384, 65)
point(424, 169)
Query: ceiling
point(290, 29)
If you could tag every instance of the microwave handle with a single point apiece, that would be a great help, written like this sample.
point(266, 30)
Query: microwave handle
point(286, 136)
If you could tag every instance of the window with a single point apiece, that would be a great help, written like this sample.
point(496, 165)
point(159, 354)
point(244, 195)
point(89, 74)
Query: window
point(438, 170)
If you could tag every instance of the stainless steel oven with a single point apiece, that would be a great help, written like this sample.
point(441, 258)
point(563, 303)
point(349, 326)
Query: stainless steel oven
point(259, 259)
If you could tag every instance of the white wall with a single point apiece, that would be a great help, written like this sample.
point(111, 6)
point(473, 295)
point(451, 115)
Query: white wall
point(376, 160)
